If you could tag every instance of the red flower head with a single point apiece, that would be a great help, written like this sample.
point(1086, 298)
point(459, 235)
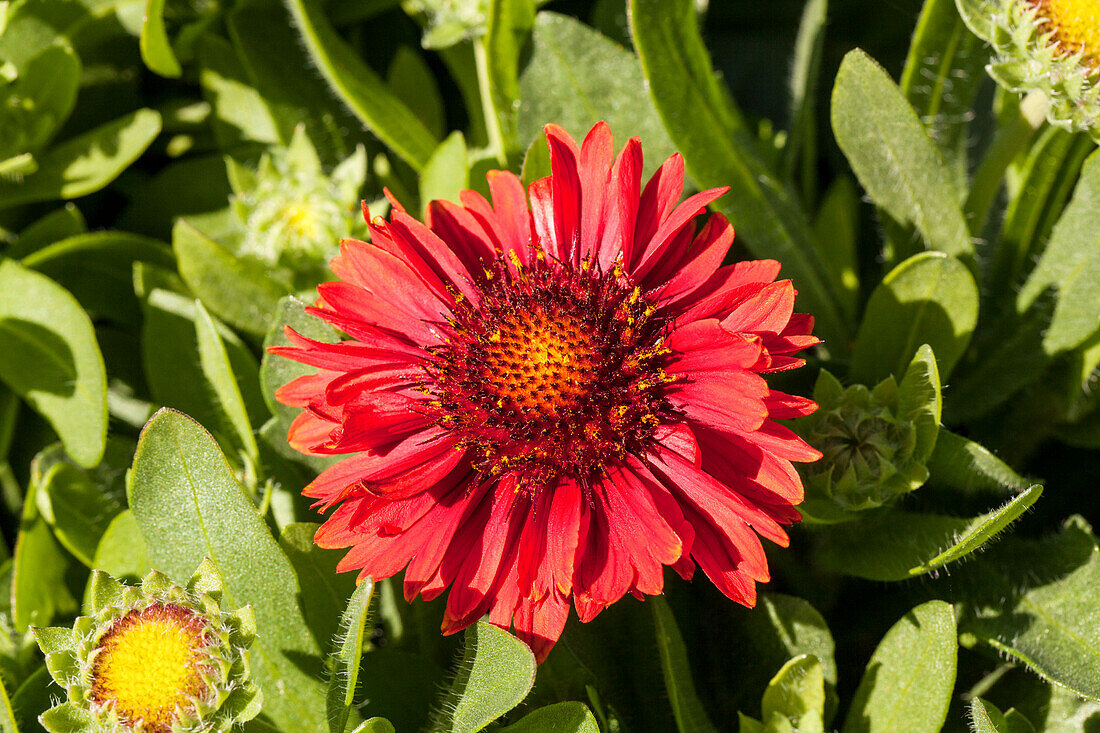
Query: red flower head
point(554, 402)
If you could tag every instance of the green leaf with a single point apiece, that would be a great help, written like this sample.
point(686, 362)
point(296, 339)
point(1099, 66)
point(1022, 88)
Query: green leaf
point(508, 28)
point(241, 114)
point(86, 163)
point(78, 509)
point(446, 173)
point(275, 371)
point(893, 157)
point(562, 717)
point(375, 725)
point(797, 695)
point(59, 224)
point(805, 73)
point(719, 150)
point(1071, 264)
point(325, 592)
point(577, 77)
point(945, 67)
point(908, 682)
point(97, 268)
point(896, 544)
point(45, 92)
point(219, 377)
point(836, 233)
point(963, 464)
point(52, 360)
point(930, 298)
point(496, 672)
point(686, 707)
point(359, 88)
point(348, 651)
point(190, 506)
point(122, 552)
point(986, 718)
point(7, 716)
point(1036, 606)
point(411, 79)
point(919, 401)
point(156, 49)
point(236, 290)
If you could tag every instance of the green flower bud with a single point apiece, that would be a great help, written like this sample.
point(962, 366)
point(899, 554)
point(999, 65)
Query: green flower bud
point(1048, 46)
point(152, 659)
point(292, 214)
point(874, 442)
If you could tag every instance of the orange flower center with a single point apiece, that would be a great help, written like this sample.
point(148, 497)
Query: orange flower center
point(1075, 25)
point(149, 665)
point(554, 373)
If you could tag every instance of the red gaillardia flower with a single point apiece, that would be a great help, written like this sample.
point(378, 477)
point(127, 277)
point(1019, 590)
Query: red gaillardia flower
point(554, 402)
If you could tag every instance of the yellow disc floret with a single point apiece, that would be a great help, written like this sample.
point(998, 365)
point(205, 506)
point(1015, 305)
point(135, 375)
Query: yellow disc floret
point(1075, 25)
point(150, 665)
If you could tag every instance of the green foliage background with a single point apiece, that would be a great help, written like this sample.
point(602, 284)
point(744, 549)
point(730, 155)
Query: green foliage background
point(155, 155)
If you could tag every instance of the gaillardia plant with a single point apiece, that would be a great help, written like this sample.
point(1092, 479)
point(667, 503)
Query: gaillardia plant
point(1048, 46)
point(152, 659)
point(550, 403)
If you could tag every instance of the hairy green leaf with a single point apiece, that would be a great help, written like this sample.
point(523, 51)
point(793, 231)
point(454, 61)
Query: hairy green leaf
point(348, 651)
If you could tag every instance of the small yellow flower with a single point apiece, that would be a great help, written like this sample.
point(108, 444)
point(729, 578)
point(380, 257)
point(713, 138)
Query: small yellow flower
point(154, 659)
point(150, 664)
point(1047, 46)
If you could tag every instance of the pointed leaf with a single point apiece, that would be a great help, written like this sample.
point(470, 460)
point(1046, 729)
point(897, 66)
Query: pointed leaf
point(963, 464)
point(219, 377)
point(797, 694)
point(894, 158)
point(190, 506)
point(688, 710)
point(562, 717)
point(347, 653)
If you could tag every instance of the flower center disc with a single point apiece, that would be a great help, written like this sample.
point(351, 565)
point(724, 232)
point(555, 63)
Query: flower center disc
point(149, 663)
point(1076, 26)
point(552, 374)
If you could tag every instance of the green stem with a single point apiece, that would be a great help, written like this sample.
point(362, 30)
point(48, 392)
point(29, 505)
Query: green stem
point(492, 120)
point(1011, 140)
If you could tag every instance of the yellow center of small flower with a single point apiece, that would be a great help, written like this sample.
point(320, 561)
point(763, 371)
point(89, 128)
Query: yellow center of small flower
point(149, 663)
point(300, 220)
point(1075, 25)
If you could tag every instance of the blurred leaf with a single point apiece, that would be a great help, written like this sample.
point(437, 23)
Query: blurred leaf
point(375, 725)
point(235, 289)
point(944, 68)
point(59, 224)
point(411, 79)
point(1047, 177)
point(576, 77)
point(718, 150)
point(835, 235)
point(275, 371)
point(52, 360)
point(893, 157)
point(908, 682)
point(358, 87)
point(41, 99)
point(218, 373)
point(689, 711)
point(39, 588)
point(562, 717)
point(446, 173)
point(156, 49)
point(963, 464)
point(32, 698)
point(495, 673)
point(796, 695)
point(79, 510)
point(896, 544)
point(121, 551)
point(86, 163)
point(347, 653)
point(241, 114)
point(190, 506)
point(508, 29)
point(411, 683)
point(325, 592)
point(930, 298)
point(804, 79)
point(7, 716)
point(1071, 264)
point(1037, 607)
point(97, 268)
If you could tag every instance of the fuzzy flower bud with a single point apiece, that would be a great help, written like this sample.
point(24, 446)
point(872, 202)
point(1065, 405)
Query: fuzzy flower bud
point(292, 214)
point(152, 659)
point(1048, 46)
point(874, 442)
